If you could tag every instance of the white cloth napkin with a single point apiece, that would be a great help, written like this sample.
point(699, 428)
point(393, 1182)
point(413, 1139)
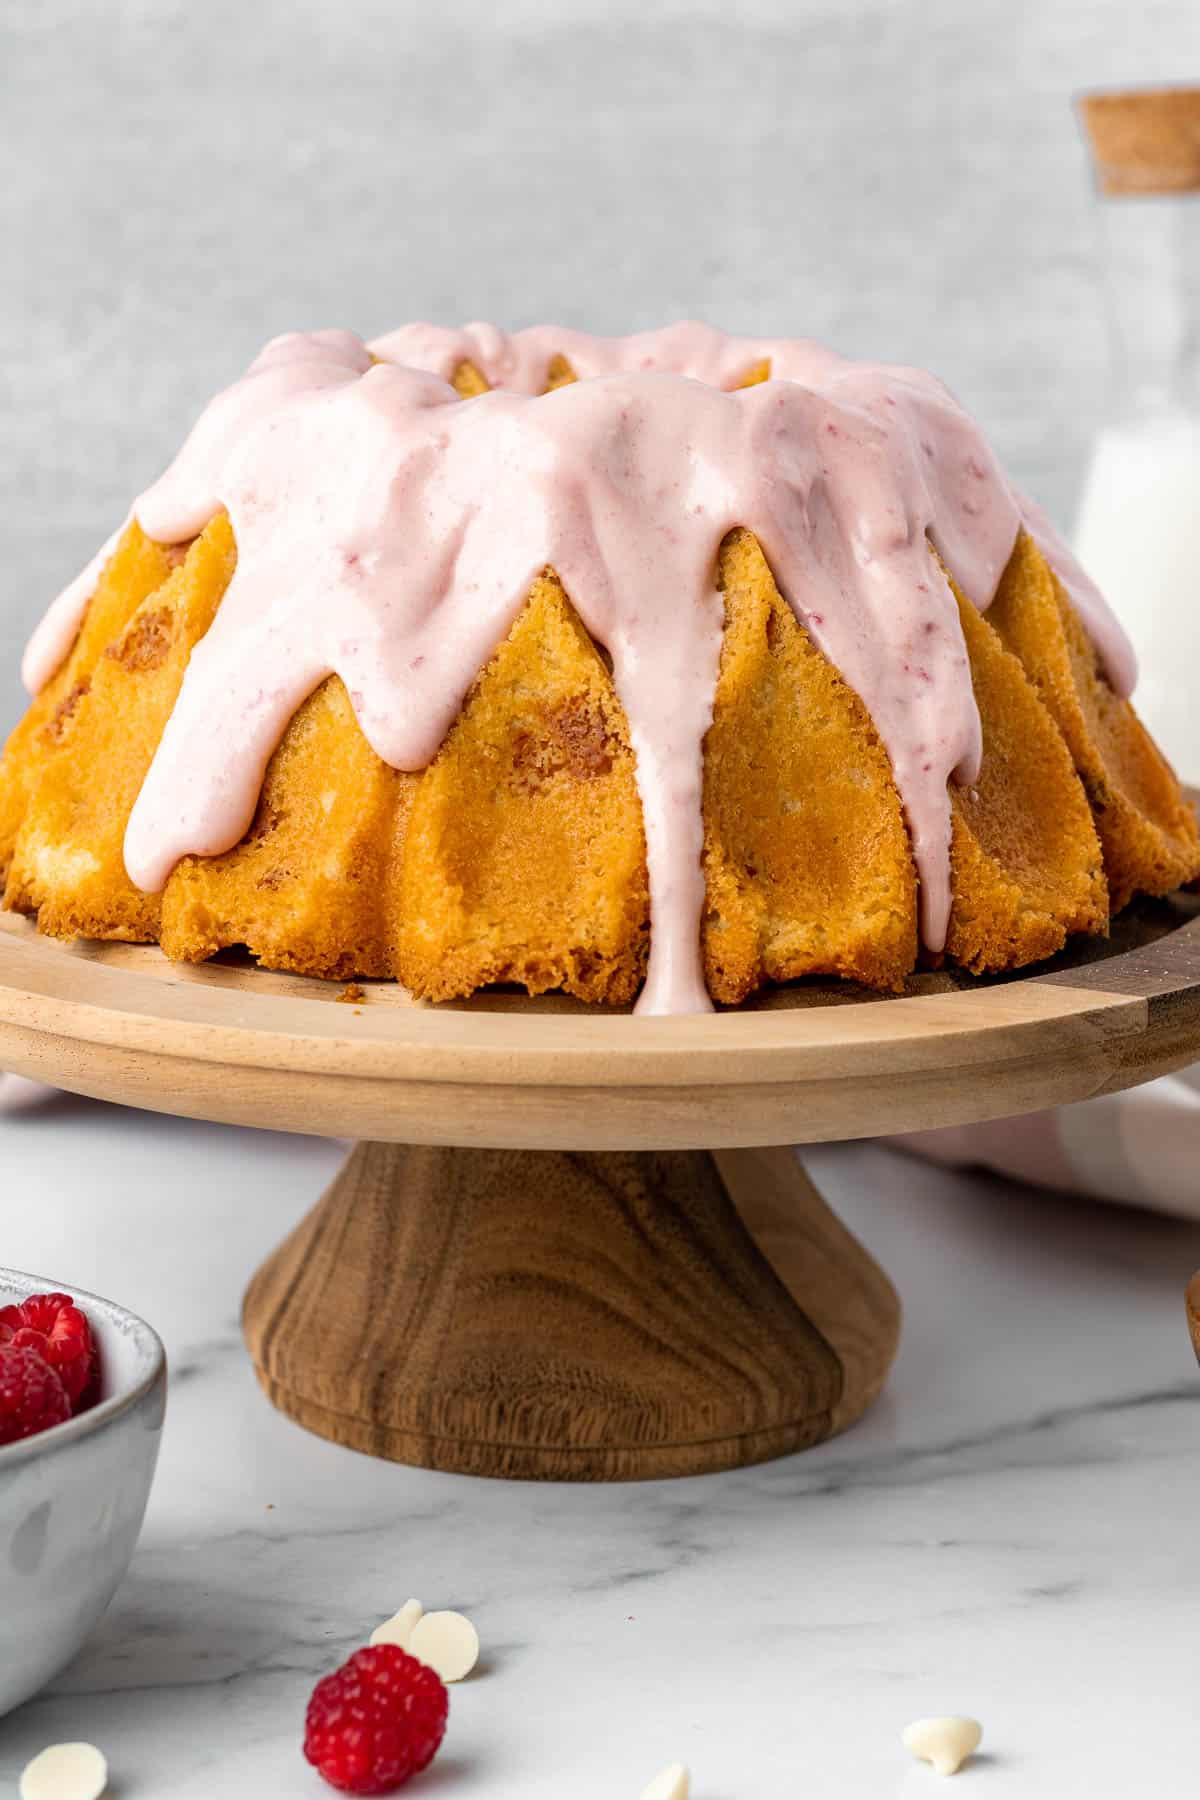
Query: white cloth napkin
point(1141, 1147)
point(19, 1095)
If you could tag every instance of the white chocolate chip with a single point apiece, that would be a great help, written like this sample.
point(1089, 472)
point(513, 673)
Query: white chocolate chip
point(399, 1628)
point(65, 1772)
point(671, 1783)
point(447, 1643)
point(946, 1743)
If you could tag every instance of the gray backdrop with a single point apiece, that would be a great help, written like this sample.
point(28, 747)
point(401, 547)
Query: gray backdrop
point(183, 180)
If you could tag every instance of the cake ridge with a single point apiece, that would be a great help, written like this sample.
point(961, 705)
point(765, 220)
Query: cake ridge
point(388, 532)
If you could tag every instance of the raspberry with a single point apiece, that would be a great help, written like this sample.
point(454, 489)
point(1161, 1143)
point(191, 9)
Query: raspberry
point(53, 1325)
point(32, 1397)
point(375, 1721)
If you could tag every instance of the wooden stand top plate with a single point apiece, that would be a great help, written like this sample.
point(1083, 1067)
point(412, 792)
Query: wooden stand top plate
point(526, 1304)
point(231, 1042)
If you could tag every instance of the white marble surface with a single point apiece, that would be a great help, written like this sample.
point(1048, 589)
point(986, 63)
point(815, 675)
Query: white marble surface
point(1012, 1532)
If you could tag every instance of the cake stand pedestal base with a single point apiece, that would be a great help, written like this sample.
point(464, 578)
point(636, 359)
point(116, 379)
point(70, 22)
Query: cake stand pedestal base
point(617, 1312)
point(601, 1316)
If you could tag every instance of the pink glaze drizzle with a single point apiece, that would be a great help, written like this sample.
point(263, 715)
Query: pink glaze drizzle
point(389, 532)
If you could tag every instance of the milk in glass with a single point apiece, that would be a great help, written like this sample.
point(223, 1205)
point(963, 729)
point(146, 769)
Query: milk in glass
point(1138, 529)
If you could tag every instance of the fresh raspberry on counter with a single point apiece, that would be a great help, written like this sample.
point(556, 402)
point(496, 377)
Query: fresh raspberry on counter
point(53, 1325)
point(32, 1397)
point(375, 1721)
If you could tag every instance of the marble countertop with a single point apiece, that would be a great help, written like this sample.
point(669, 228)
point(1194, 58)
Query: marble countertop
point(1010, 1533)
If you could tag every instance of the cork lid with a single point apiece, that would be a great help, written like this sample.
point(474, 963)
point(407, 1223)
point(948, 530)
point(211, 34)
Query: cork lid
point(1144, 140)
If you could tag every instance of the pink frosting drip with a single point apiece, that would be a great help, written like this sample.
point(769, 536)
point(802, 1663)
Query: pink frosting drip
point(389, 532)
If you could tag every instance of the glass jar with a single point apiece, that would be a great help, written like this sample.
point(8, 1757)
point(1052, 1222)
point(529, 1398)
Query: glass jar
point(1138, 531)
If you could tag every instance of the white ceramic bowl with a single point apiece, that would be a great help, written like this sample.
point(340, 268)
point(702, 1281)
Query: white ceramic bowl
point(72, 1498)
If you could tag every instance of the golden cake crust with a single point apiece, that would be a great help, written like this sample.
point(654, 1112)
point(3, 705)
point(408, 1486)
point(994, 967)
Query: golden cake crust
point(1147, 828)
point(518, 855)
point(806, 857)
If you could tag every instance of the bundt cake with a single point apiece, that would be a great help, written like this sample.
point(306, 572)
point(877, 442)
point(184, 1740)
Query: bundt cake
point(677, 663)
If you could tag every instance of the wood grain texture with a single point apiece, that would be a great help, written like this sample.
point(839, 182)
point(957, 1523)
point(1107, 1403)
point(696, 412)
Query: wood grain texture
point(571, 1317)
point(838, 1287)
point(231, 1042)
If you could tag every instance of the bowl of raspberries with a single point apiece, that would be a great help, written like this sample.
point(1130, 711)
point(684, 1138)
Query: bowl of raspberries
point(82, 1393)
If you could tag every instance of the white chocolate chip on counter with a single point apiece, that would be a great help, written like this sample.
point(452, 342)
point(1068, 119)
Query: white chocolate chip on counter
point(671, 1783)
point(447, 1643)
point(399, 1628)
point(65, 1772)
point(946, 1743)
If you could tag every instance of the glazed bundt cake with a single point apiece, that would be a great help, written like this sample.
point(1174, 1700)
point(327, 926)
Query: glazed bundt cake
point(677, 663)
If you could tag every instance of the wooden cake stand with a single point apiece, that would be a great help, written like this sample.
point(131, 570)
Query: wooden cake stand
point(559, 1250)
